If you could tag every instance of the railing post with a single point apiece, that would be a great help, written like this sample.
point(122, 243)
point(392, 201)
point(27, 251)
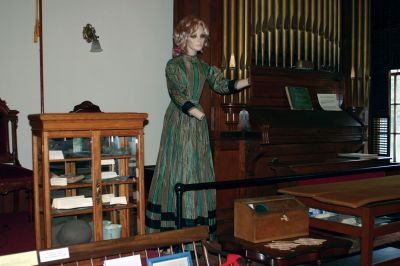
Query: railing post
point(179, 192)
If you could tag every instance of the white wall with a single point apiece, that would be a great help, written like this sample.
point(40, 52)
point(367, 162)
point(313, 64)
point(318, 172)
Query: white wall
point(128, 76)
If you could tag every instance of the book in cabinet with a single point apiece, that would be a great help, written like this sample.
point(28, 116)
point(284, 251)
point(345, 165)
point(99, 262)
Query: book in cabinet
point(88, 167)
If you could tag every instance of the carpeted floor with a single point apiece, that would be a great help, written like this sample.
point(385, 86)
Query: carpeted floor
point(17, 233)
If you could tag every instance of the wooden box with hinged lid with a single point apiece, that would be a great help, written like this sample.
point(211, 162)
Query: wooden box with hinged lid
point(270, 218)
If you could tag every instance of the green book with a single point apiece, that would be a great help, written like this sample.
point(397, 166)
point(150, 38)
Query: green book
point(299, 98)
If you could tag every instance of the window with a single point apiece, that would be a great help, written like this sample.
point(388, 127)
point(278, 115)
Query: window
point(395, 115)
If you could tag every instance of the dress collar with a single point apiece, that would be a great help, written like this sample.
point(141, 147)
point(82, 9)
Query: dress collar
point(190, 58)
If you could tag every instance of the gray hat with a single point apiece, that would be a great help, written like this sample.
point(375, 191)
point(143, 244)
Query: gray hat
point(74, 232)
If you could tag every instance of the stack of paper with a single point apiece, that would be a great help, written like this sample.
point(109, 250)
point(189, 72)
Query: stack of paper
point(118, 200)
point(112, 199)
point(108, 162)
point(58, 181)
point(109, 174)
point(56, 155)
point(72, 202)
point(106, 198)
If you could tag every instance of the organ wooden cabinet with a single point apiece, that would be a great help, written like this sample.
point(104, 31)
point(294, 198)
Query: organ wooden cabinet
point(281, 141)
point(88, 167)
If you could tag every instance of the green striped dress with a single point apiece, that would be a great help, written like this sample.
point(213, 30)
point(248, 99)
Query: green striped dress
point(185, 154)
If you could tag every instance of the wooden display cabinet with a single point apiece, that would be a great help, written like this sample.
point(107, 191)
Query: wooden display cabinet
point(107, 151)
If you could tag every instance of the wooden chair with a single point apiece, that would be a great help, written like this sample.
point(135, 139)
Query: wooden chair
point(13, 177)
point(150, 245)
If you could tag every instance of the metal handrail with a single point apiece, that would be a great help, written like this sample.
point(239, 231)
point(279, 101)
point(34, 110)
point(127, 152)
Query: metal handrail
point(181, 188)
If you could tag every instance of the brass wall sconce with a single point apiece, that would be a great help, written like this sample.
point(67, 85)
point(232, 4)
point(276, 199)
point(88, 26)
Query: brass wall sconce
point(89, 34)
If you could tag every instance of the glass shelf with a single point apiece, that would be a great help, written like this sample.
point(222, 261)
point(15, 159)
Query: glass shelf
point(350, 219)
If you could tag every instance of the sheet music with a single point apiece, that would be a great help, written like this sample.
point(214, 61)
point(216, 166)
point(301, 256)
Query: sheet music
point(328, 101)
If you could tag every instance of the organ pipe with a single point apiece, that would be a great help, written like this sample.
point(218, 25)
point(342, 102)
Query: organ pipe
point(279, 33)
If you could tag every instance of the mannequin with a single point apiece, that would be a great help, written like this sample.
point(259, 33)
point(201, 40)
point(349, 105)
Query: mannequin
point(185, 152)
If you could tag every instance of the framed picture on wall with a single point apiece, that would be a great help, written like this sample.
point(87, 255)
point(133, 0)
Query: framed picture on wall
point(178, 259)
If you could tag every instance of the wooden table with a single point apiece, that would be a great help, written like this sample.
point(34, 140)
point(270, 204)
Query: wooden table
point(365, 199)
point(367, 232)
point(258, 252)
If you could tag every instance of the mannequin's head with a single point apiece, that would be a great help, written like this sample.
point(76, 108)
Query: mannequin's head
point(186, 28)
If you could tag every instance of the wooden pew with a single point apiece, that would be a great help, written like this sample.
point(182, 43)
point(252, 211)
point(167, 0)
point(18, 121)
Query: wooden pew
point(150, 245)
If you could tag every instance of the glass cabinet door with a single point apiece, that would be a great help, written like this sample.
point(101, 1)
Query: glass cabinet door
point(75, 188)
point(70, 188)
point(118, 185)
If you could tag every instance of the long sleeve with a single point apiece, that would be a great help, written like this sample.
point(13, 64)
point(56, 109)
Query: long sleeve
point(218, 82)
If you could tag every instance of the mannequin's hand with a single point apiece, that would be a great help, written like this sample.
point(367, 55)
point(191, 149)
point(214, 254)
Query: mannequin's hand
point(196, 113)
point(242, 83)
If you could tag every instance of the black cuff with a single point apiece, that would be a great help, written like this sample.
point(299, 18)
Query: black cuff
point(231, 86)
point(187, 106)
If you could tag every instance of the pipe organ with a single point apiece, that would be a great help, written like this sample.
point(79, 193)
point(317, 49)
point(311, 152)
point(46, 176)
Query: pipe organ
point(269, 41)
point(287, 33)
